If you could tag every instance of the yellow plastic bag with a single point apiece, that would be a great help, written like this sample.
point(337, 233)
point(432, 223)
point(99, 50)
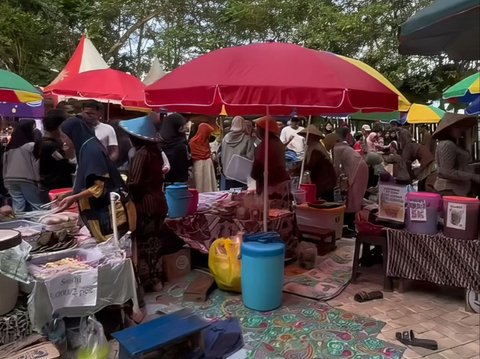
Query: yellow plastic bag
point(224, 264)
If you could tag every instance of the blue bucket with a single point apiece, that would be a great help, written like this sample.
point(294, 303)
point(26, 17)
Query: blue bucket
point(262, 256)
point(178, 199)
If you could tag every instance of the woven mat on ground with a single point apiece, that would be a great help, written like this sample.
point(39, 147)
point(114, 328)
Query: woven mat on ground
point(301, 328)
point(328, 279)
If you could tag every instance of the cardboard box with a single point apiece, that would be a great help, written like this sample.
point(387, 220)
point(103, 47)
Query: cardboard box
point(176, 265)
point(43, 350)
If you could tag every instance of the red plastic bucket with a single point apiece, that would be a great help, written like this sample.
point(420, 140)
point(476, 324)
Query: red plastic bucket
point(54, 193)
point(460, 217)
point(310, 192)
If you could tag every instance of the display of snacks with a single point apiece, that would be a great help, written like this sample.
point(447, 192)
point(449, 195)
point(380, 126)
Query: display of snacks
point(61, 221)
point(53, 241)
point(64, 265)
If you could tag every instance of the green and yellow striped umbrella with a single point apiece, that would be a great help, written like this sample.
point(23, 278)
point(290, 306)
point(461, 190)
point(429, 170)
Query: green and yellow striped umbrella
point(15, 89)
point(465, 91)
point(424, 114)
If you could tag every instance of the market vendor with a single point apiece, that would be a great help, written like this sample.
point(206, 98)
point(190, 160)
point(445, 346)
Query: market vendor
point(278, 178)
point(454, 175)
point(145, 182)
point(96, 178)
point(319, 164)
point(349, 162)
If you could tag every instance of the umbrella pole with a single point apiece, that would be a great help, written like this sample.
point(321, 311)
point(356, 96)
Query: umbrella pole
point(306, 148)
point(265, 179)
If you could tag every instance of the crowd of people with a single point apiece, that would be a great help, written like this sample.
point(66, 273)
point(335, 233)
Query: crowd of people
point(80, 152)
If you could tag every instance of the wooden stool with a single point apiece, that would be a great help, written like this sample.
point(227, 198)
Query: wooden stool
point(375, 240)
point(146, 338)
point(318, 236)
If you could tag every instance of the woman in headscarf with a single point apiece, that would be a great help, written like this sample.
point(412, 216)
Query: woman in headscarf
point(278, 178)
point(174, 144)
point(319, 164)
point(21, 172)
point(349, 162)
point(455, 176)
point(145, 184)
point(96, 178)
point(236, 142)
point(203, 170)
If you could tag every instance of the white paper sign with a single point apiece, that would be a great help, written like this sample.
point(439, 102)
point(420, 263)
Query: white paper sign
point(73, 289)
point(418, 211)
point(391, 202)
point(457, 216)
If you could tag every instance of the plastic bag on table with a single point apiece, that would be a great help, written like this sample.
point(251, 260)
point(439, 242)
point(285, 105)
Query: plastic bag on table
point(224, 263)
point(94, 342)
point(13, 262)
point(56, 332)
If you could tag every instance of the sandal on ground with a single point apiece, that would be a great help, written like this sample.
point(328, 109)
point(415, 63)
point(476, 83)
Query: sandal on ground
point(408, 338)
point(365, 297)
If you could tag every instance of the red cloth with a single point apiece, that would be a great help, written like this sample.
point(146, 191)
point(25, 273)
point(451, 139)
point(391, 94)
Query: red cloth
point(199, 144)
point(270, 78)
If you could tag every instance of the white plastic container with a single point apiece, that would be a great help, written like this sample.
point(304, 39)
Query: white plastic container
point(321, 218)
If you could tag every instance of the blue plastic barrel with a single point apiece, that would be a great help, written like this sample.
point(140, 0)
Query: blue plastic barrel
point(262, 258)
point(178, 199)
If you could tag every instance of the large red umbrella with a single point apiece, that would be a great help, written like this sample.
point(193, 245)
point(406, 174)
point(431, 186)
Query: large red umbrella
point(106, 85)
point(273, 78)
point(270, 78)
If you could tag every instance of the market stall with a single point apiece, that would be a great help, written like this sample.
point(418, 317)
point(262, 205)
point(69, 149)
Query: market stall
point(63, 271)
point(429, 237)
point(224, 214)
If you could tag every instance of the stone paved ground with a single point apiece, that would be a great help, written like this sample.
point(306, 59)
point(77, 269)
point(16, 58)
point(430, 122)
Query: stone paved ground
point(432, 313)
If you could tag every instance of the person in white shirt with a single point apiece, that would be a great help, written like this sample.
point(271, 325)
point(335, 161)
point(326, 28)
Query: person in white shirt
point(291, 139)
point(91, 113)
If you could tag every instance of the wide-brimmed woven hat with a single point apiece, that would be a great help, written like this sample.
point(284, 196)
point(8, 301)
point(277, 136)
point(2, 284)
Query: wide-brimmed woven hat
point(312, 130)
point(452, 119)
point(141, 127)
point(272, 124)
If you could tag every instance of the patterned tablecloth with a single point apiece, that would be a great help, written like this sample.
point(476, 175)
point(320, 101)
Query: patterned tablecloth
point(434, 258)
point(200, 230)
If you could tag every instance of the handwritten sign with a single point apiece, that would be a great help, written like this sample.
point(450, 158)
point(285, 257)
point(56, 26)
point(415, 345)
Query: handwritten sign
point(73, 289)
point(391, 202)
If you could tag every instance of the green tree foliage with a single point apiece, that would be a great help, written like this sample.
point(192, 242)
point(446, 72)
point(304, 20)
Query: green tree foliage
point(39, 35)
